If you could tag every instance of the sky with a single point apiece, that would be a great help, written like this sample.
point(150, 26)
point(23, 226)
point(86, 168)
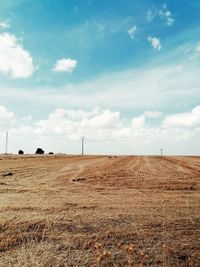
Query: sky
point(125, 74)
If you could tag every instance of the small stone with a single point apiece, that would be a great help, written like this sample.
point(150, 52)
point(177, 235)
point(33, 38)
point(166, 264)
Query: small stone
point(7, 174)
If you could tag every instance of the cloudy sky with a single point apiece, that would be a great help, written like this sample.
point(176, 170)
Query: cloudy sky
point(125, 74)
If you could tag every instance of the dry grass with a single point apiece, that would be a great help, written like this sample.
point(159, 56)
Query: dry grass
point(99, 211)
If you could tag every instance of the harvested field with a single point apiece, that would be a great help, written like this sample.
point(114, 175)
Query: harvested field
point(99, 211)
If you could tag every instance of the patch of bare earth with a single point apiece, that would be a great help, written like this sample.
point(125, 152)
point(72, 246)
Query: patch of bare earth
point(99, 211)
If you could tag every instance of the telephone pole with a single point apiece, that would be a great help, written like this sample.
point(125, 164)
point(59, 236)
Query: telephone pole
point(6, 145)
point(82, 145)
point(161, 152)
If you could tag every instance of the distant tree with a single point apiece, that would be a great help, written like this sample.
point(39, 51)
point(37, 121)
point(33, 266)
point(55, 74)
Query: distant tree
point(39, 151)
point(20, 152)
point(51, 153)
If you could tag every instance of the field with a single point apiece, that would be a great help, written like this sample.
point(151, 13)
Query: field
point(99, 211)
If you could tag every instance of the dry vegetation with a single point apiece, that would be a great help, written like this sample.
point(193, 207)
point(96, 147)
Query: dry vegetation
point(99, 211)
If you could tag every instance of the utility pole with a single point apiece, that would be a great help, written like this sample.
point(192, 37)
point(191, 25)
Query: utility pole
point(82, 145)
point(6, 145)
point(161, 152)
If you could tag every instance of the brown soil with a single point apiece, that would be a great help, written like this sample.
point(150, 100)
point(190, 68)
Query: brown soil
point(99, 211)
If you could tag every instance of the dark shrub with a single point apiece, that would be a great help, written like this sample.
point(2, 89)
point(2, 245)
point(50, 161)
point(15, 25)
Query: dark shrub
point(39, 151)
point(20, 152)
point(51, 153)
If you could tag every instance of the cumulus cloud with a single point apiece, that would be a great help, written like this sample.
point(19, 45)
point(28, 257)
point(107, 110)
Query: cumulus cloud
point(27, 118)
point(4, 25)
point(103, 128)
point(138, 122)
point(65, 65)
point(14, 59)
point(106, 119)
point(188, 119)
point(155, 42)
point(7, 118)
point(73, 121)
point(132, 31)
point(153, 114)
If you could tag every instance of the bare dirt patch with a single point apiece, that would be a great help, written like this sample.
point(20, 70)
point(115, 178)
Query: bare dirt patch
point(100, 211)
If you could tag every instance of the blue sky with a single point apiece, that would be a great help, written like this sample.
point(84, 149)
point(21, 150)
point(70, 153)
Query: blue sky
point(116, 71)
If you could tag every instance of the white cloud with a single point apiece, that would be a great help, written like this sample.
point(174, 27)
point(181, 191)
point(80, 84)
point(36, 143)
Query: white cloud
point(191, 51)
point(7, 118)
point(27, 118)
point(4, 25)
point(103, 128)
point(170, 21)
point(63, 121)
point(156, 88)
point(153, 114)
point(198, 48)
point(138, 122)
point(151, 14)
point(132, 31)
point(106, 119)
point(164, 13)
point(188, 119)
point(155, 42)
point(65, 65)
point(14, 59)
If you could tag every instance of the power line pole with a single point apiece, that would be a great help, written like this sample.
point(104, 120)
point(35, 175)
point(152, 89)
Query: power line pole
point(6, 145)
point(161, 152)
point(82, 145)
